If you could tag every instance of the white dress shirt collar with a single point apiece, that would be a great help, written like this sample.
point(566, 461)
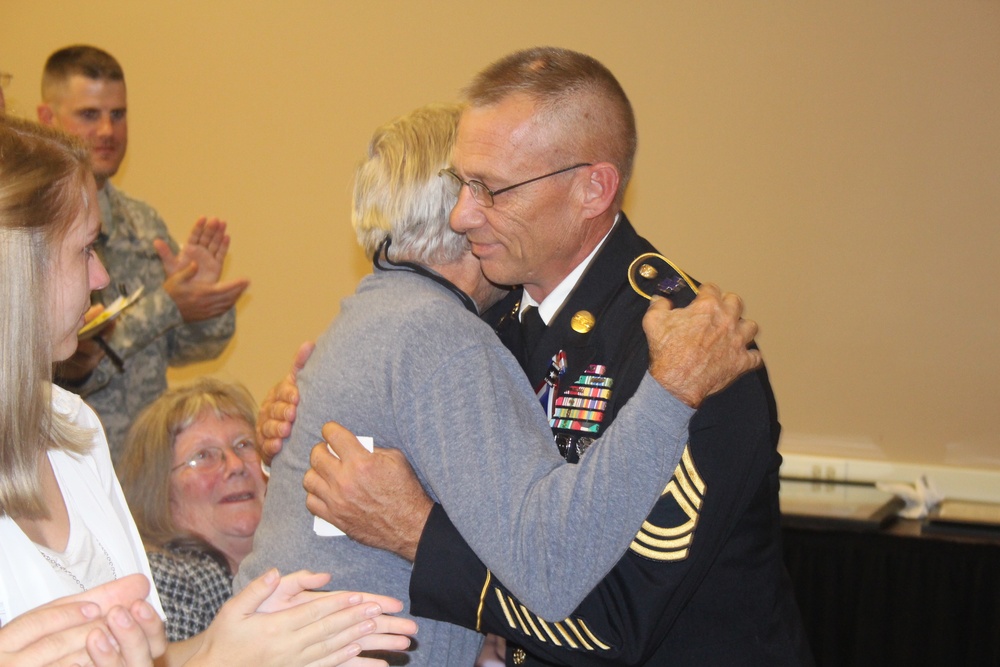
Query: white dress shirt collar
point(551, 304)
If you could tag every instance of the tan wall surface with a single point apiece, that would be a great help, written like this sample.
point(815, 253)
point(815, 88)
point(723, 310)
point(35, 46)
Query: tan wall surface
point(836, 163)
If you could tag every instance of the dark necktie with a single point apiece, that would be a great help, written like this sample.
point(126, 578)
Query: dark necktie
point(532, 327)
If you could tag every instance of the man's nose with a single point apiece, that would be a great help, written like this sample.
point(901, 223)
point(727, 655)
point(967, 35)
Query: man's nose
point(467, 213)
point(105, 126)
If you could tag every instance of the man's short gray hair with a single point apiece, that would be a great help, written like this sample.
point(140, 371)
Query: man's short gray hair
point(572, 91)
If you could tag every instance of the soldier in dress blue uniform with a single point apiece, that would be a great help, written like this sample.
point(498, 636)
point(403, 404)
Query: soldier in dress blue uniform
point(543, 155)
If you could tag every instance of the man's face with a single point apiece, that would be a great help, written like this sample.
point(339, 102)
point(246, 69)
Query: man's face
point(533, 235)
point(95, 111)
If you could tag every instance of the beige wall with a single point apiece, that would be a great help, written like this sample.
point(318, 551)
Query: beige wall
point(837, 163)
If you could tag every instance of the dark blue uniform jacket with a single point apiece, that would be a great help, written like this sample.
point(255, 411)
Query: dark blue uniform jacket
point(703, 583)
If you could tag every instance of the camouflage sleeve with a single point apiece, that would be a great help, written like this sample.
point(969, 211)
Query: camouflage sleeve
point(154, 320)
point(199, 341)
point(152, 316)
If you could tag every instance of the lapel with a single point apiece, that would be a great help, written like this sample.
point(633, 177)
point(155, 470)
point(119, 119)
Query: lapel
point(603, 284)
point(503, 317)
point(599, 330)
point(604, 280)
point(603, 296)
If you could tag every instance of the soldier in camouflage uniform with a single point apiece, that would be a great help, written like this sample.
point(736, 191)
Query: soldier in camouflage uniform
point(184, 314)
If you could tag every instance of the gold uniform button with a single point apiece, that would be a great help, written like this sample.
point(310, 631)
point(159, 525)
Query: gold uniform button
point(519, 656)
point(648, 272)
point(582, 322)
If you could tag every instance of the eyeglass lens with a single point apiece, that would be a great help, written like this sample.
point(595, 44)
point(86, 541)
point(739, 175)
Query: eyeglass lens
point(211, 458)
point(479, 191)
point(483, 195)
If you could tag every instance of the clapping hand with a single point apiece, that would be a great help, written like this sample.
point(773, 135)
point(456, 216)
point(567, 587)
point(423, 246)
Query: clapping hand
point(193, 273)
point(111, 625)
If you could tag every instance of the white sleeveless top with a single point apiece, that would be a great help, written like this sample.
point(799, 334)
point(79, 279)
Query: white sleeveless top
point(99, 518)
point(85, 562)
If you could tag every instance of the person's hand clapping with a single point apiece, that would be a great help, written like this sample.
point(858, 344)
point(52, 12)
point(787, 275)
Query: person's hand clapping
point(193, 273)
point(279, 621)
point(111, 625)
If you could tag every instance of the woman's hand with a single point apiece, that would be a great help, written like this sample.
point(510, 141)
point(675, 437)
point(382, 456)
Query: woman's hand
point(279, 621)
point(138, 638)
point(278, 411)
point(110, 626)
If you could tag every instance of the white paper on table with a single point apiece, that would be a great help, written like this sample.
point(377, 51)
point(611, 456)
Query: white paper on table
point(325, 528)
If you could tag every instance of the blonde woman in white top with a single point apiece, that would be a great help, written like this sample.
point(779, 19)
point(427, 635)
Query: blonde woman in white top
point(67, 539)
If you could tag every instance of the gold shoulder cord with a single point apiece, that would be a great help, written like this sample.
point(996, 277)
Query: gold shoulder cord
point(650, 255)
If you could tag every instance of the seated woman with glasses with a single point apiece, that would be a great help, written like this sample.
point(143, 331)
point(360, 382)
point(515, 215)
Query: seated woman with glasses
point(193, 480)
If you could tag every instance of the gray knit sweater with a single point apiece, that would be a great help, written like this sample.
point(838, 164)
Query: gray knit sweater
point(407, 364)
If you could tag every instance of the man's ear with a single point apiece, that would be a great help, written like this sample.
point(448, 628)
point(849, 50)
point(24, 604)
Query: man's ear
point(46, 116)
point(601, 188)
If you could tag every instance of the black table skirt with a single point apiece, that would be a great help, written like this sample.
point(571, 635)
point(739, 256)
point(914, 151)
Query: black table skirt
point(885, 598)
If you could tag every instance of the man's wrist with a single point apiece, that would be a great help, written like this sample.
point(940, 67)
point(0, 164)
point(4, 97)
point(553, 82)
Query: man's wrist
point(680, 385)
point(410, 538)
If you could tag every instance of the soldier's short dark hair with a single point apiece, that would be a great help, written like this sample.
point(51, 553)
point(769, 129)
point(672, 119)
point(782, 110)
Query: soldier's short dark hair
point(81, 60)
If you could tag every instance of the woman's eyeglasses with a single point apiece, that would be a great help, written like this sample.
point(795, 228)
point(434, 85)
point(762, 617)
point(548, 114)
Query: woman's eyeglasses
point(210, 459)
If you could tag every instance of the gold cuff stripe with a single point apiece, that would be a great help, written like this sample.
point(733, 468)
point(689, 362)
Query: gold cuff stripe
point(517, 615)
point(579, 635)
point(527, 615)
point(545, 626)
point(520, 618)
point(482, 599)
point(590, 634)
point(562, 631)
point(506, 612)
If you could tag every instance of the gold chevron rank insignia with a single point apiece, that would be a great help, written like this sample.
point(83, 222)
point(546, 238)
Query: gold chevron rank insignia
point(667, 533)
point(570, 633)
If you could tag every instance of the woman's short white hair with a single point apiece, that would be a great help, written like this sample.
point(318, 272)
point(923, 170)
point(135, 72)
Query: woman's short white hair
point(398, 193)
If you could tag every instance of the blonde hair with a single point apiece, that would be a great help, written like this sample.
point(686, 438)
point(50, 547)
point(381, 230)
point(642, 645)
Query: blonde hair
point(398, 193)
point(43, 180)
point(145, 465)
point(573, 93)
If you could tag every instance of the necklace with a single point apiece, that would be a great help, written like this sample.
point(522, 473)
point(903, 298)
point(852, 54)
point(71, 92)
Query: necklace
point(59, 567)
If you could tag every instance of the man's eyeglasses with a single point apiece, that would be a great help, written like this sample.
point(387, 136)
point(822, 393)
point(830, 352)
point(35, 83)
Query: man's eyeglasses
point(210, 459)
point(482, 194)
